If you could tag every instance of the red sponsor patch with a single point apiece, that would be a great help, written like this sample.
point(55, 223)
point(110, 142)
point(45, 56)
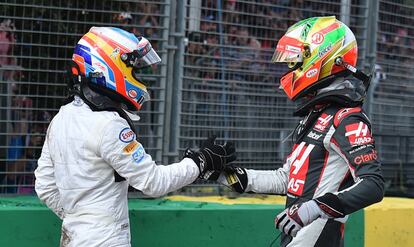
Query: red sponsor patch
point(126, 135)
point(323, 122)
point(299, 163)
point(311, 73)
point(132, 93)
point(358, 134)
point(363, 158)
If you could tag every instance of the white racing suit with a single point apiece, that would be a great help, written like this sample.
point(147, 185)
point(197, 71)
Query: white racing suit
point(75, 175)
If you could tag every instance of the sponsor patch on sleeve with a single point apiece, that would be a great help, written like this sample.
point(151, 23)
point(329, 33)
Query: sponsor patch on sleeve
point(365, 158)
point(131, 147)
point(126, 135)
point(358, 134)
point(139, 154)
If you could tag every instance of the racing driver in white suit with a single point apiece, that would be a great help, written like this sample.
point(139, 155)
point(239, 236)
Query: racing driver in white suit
point(91, 151)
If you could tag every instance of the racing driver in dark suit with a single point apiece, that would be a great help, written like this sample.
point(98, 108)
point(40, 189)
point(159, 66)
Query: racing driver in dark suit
point(333, 169)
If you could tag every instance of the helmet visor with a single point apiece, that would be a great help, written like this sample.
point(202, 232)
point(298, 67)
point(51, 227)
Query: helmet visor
point(287, 54)
point(143, 60)
point(141, 57)
point(147, 56)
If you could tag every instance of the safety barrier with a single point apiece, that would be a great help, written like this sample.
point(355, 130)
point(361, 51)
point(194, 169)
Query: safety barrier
point(207, 221)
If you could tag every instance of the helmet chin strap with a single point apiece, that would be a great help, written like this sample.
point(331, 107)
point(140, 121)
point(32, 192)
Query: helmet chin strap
point(344, 97)
point(366, 79)
point(343, 92)
point(98, 102)
point(80, 85)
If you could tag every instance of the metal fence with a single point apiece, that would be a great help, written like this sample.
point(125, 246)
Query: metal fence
point(215, 78)
point(37, 41)
point(393, 94)
point(230, 86)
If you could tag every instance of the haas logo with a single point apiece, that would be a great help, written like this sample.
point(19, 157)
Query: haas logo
point(358, 134)
point(323, 122)
point(317, 38)
point(299, 162)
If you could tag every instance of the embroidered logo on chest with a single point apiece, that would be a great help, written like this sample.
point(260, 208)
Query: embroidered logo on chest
point(322, 122)
point(299, 160)
point(314, 136)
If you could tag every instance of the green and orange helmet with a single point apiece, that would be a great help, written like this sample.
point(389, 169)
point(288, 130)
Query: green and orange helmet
point(311, 48)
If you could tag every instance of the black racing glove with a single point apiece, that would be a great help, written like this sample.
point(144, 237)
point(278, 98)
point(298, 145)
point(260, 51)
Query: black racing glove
point(234, 177)
point(212, 157)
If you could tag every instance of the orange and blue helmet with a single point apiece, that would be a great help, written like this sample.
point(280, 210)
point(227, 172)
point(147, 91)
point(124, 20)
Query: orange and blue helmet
point(112, 58)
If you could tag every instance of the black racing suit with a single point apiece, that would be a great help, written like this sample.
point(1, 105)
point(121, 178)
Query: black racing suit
point(333, 159)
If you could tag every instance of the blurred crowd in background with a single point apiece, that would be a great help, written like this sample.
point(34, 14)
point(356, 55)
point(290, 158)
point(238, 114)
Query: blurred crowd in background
point(23, 59)
point(240, 38)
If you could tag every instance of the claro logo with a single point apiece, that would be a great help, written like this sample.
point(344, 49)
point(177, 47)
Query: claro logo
point(363, 158)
